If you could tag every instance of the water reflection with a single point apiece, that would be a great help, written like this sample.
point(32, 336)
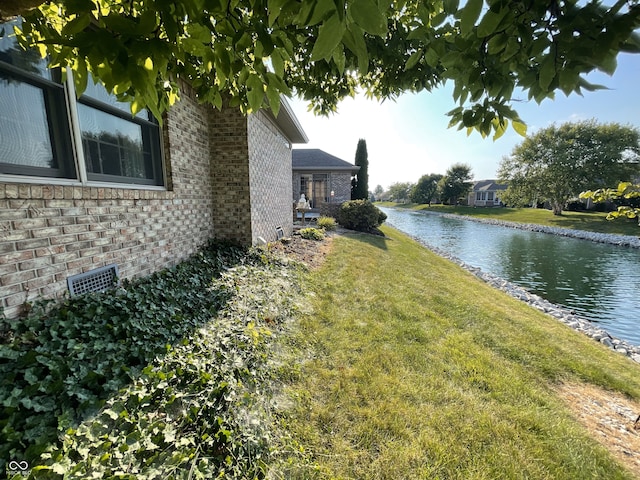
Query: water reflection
point(600, 282)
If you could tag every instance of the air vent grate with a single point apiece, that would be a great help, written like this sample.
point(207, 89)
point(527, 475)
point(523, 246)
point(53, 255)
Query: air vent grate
point(94, 280)
point(279, 232)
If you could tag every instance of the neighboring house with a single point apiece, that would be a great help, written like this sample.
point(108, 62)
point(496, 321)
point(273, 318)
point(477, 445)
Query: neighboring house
point(486, 193)
point(321, 177)
point(84, 185)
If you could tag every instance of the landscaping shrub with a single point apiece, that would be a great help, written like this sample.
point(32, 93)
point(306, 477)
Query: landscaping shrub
point(327, 223)
point(62, 363)
point(360, 215)
point(330, 209)
point(311, 233)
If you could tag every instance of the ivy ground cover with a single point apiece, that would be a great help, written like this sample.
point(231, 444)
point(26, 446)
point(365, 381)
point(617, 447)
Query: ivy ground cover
point(162, 378)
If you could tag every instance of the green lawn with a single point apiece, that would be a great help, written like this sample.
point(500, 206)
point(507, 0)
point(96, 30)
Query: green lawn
point(414, 369)
point(590, 221)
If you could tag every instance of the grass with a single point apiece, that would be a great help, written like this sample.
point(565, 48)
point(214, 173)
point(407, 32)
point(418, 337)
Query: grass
point(589, 221)
point(416, 369)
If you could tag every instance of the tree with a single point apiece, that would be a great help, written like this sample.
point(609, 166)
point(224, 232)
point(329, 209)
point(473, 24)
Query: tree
point(377, 193)
point(456, 183)
point(557, 163)
point(360, 190)
point(625, 190)
point(426, 188)
point(400, 191)
point(324, 51)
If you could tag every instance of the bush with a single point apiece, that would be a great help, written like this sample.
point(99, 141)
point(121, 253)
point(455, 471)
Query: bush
point(311, 233)
point(360, 215)
point(327, 223)
point(330, 209)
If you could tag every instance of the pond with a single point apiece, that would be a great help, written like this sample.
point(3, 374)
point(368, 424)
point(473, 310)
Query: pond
point(600, 282)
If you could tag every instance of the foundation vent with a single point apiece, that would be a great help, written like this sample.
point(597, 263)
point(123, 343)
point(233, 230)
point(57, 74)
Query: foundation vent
point(94, 280)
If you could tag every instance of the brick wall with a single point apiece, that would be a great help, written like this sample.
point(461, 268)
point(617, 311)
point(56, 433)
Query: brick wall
point(48, 232)
point(230, 169)
point(341, 186)
point(220, 184)
point(270, 179)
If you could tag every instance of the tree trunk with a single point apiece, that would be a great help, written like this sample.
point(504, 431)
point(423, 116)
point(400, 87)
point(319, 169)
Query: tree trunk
point(556, 208)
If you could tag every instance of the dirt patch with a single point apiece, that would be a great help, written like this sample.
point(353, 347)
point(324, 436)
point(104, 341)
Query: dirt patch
point(310, 252)
point(611, 418)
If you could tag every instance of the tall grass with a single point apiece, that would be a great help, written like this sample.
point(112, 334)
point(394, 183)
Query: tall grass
point(417, 370)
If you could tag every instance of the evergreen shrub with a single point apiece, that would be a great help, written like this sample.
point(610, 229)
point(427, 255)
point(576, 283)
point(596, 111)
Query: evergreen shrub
point(360, 215)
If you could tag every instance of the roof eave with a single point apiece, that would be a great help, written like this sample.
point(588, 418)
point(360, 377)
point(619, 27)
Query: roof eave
point(287, 121)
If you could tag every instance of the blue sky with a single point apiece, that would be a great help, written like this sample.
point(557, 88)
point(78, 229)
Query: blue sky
point(409, 138)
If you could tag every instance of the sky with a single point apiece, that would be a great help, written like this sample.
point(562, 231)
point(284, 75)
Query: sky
point(409, 137)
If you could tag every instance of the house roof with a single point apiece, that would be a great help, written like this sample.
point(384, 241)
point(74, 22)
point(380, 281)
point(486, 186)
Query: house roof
point(316, 159)
point(488, 185)
point(288, 123)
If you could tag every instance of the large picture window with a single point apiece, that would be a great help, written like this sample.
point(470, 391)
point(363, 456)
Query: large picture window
point(36, 131)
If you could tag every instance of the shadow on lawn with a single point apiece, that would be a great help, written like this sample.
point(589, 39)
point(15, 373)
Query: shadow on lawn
point(375, 240)
point(60, 363)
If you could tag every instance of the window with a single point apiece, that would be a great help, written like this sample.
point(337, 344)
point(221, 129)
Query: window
point(36, 131)
point(490, 196)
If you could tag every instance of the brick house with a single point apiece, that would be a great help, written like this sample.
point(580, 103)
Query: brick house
point(84, 185)
point(322, 177)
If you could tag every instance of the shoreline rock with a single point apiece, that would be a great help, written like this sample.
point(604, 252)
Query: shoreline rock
point(560, 313)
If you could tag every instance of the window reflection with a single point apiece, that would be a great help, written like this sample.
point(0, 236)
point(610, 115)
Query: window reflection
point(112, 145)
point(24, 130)
point(26, 60)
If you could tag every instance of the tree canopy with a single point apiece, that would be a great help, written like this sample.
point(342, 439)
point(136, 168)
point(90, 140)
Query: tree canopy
point(456, 183)
point(426, 188)
point(399, 191)
point(324, 50)
point(557, 163)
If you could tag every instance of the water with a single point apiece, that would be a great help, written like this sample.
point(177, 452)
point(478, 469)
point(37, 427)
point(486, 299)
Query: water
point(599, 282)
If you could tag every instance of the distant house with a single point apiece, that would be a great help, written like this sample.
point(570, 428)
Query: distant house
point(486, 193)
point(321, 177)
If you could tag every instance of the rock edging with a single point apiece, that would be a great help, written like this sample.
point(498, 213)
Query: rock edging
point(562, 314)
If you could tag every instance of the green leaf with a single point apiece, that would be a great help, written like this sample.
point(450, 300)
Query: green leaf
point(608, 64)
point(519, 127)
point(77, 25)
point(339, 58)
point(277, 62)
point(490, 22)
point(329, 36)
point(367, 15)
point(547, 72)
point(468, 16)
point(274, 99)
point(323, 10)
point(274, 8)
point(451, 6)
point(255, 93)
point(413, 60)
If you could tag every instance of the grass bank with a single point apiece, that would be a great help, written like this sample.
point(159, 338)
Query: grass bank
point(413, 368)
point(589, 221)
